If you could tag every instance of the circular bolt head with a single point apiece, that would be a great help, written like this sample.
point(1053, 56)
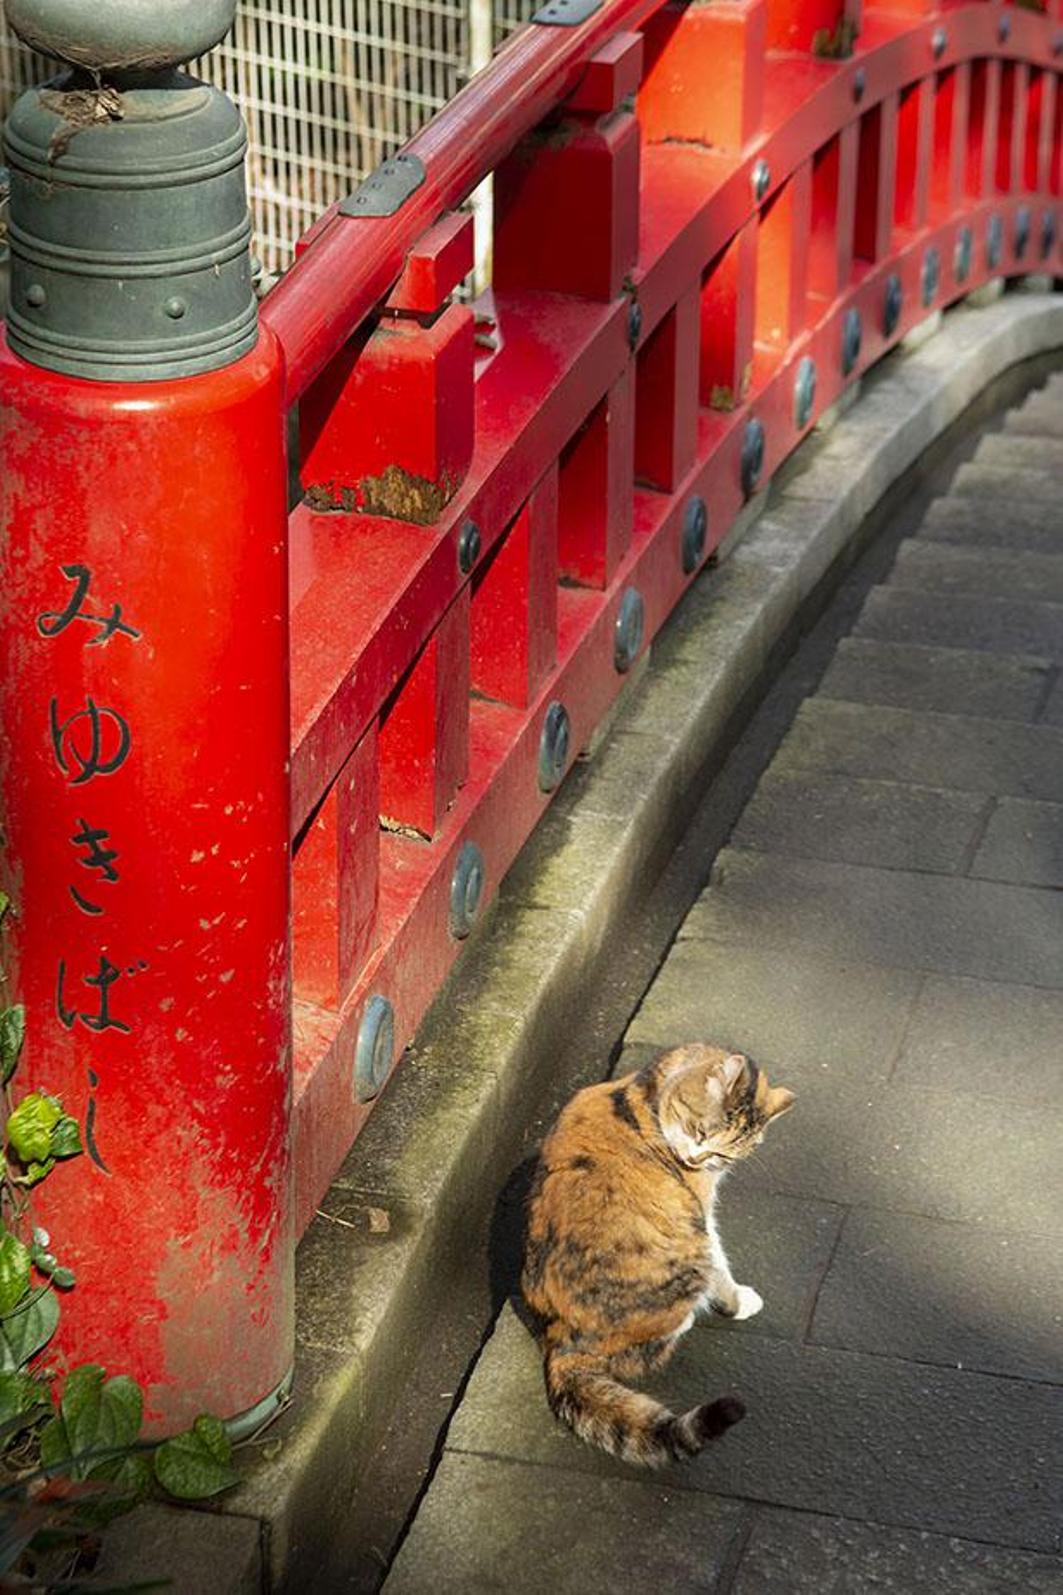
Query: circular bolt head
point(1057, 44)
point(374, 1048)
point(466, 891)
point(469, 544)
point(852, 337)
point(892, 304)
point(994, 245)
point(627, 634)
point(964, 254)
point(938, 40)
point(859, 84)
point(931, 275)
point(36, 295)
point(1022, 230)
point(760, 177)
point(695, 531)
point(1048, 233)
point(175, 308)
point(553, 746)
point(752, 455)
point(1004, 28)
point(804, 391)
point(634, 322)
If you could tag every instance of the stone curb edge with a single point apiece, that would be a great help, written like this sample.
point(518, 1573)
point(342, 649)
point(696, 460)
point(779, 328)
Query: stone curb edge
point(430, 1162)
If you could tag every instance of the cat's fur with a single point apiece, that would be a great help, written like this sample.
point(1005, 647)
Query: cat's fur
point(621, 1249)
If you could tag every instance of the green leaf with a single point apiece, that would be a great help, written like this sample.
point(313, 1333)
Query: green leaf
point(64, 1278)
point(27, 1329)
point(99, 1421)
point(66, 1138)
point(196, 1464)
point(20, 1393)
point(5, 904)
point(29, 1128)
point(14, 1270)
point(35, 1172)
point(12, 1034)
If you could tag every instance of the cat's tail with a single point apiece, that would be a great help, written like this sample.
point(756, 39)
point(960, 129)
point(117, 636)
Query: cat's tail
point(605, 1413)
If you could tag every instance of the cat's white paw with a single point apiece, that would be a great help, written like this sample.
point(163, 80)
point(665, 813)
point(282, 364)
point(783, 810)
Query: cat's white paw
point(749, 1301)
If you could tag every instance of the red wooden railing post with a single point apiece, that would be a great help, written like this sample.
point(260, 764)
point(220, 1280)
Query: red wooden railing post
point(144, 724)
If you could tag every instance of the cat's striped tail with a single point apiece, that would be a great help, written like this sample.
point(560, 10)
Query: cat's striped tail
point(596, 1407)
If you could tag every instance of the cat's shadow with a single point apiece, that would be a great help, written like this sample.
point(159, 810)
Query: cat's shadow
point(505, 1247)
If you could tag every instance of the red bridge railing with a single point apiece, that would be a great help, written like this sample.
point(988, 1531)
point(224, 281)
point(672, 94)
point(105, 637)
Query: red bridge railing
point(709, 219)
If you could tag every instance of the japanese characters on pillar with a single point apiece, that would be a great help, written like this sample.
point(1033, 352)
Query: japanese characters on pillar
point(144, 723)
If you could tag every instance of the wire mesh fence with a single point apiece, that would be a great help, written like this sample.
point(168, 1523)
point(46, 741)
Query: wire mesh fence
point(328, 89)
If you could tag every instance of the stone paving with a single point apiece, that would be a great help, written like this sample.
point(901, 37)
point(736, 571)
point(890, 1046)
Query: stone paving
point(883, 934)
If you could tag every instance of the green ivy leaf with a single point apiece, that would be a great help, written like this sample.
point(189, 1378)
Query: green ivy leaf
point(14, 1270)
point(97, 1418)
point(27, 1329)
point(20, 1393)
point(66, 1138)
point(29, 1128)
point(5, 904)
point(196, 1464)
point(64, 1278)
point(12, 1035)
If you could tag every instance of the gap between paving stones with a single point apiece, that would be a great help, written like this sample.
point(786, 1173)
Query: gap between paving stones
point(377, 1268)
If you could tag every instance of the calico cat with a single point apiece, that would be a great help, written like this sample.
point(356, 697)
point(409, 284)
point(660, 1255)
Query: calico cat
point(621, 1248)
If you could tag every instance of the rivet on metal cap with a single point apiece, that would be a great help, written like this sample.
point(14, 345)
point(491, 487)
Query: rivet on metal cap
point(804, 391)
point(553, 746)
point(374, 1048)
point(627, 634)
point(695, 531)
point(466, 891)
point(386, 190)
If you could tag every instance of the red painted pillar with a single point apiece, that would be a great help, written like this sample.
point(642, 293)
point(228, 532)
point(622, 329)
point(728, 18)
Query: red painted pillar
point(145, 734)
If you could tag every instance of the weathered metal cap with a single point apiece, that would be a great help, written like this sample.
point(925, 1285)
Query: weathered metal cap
point(128, 229)
point(121, 35)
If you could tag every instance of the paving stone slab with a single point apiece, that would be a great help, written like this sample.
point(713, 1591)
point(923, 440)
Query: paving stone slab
point(918, 1149)
point(1027, 524)
point(1038, 417)
point(772, 1003)
point(891, 917)
point(501, 1525)
point(954, 1294)
point(1012, 452)
point(947, 568)
point(891, 824)
point(984, 1038)
point(960, 620)
point(791, 1553)
point(1005, 485)
point(186, 1552)
point(1052, 713)
point(1024, 843)
point(780, 1245)
point(945, 680)
point(964, 753)
point(826, 1431)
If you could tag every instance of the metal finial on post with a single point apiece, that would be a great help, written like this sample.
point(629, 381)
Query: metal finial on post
point(129, 232)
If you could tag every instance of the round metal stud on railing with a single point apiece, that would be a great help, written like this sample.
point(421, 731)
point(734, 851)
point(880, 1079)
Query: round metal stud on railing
point(892, 305)
point(374, 1048)
point(1057, 44)
point(1022, 231)
point(627, 634)
point(938, 40)
point(634, 323)
point(1004, 28)
point(1048, 233)
point(469, 545)
point(466, 891)
point(760, 178)
point(852, 338)
point(804, 391)
point(553, 746)
point(695, 531)
point(931, 275)
point(859, 84)
point(963, 255)
point(752, 455)
point(994, 243)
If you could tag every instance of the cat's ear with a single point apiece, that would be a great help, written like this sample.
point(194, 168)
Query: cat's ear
point(779, 1100)
point(734, 1074)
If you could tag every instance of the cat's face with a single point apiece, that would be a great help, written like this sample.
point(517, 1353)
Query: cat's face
point(715, 1109)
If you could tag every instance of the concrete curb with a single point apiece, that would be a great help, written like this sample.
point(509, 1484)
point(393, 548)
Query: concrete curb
point(374, 1264)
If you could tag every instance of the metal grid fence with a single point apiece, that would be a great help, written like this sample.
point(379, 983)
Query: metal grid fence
point(328, 88)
